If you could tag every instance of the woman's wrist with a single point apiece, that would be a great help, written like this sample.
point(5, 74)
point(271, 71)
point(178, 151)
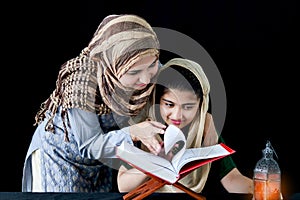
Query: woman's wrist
point(131, 133)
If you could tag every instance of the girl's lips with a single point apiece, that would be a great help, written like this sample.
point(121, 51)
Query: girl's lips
point(176, 122)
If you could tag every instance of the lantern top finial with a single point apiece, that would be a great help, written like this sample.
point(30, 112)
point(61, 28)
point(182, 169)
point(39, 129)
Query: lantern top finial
point(267, 164)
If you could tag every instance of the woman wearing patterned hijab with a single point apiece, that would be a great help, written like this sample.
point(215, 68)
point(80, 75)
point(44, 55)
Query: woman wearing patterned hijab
point(98, 97)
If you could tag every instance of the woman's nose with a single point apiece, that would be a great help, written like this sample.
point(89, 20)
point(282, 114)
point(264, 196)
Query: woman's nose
point(145, 78)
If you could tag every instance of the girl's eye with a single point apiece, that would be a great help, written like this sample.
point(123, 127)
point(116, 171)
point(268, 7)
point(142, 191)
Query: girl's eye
point(170, 105)
point(188, 107)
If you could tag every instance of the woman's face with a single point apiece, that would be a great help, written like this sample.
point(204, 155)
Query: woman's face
point(141, 73)
point(178, 107)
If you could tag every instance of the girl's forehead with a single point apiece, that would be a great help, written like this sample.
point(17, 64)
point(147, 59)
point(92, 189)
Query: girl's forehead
point(180, 95)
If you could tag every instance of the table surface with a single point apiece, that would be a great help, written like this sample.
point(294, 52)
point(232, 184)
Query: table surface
point(116, 196)
point(103, 196)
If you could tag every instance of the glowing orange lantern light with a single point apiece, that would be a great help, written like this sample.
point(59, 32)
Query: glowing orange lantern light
point(267, 177)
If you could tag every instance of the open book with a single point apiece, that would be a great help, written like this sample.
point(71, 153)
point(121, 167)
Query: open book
point(183, 160)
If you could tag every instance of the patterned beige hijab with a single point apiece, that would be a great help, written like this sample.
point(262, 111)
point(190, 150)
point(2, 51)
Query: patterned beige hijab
point(201, 131)
point(91, 81)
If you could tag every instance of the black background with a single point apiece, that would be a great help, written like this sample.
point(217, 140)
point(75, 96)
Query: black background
point(255, 45)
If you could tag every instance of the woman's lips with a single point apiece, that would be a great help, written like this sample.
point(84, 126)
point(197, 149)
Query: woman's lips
point(141, 86)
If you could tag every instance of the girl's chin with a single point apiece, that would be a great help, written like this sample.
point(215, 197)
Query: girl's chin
point(180, 126)
point(177, 125)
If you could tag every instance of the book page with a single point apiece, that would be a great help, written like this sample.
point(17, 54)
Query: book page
point(164, 169)
point(201, 153)
point(147, 162)
point(174, 143)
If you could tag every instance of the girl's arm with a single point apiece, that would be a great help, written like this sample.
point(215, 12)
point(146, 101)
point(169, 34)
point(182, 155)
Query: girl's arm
point(129, 179)
point(236, 182)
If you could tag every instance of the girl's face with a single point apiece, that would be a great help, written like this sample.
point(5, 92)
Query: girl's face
point(141, 73)
point(178, 107)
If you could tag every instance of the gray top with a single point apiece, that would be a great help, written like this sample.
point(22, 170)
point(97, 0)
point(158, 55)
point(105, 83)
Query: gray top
point(84, 163)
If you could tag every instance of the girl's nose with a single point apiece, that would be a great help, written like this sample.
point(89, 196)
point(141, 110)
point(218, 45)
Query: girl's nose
point(177, 113)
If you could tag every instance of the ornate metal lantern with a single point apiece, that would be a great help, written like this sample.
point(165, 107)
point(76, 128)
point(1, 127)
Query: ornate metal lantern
point(267, 177)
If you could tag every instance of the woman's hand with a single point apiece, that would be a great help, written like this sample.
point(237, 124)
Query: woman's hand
point(145, 132)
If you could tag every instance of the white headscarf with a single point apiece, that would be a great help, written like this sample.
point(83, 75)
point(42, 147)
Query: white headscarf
point(201, 131)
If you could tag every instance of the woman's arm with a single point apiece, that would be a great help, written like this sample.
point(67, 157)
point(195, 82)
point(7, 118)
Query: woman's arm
point(94, 143)
point(128, 179)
